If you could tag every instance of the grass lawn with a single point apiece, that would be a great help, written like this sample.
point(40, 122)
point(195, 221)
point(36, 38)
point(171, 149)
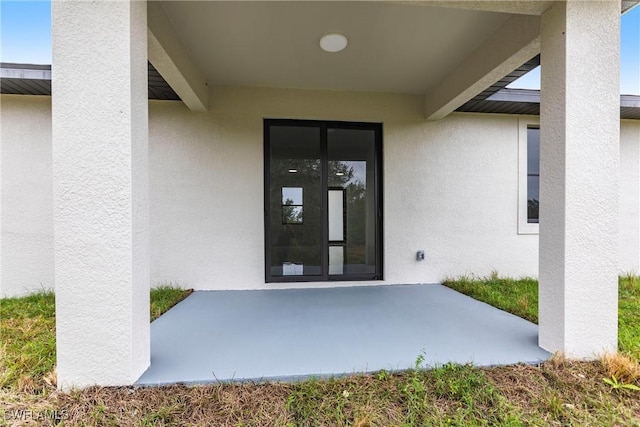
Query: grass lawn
point(27, 328)
point(520, 297)
point(559, 392)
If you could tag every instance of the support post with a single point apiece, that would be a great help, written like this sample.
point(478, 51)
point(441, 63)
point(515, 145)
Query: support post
point(100, 176)
point(580, 135)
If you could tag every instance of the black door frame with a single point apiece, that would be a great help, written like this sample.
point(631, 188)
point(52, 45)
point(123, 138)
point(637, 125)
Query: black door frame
point(324, 126)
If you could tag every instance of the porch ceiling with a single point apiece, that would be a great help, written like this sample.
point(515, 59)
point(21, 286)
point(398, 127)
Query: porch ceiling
point(404, 48)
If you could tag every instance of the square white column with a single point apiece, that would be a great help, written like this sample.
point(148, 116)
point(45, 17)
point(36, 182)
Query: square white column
point(100, 176)
point(580, 133)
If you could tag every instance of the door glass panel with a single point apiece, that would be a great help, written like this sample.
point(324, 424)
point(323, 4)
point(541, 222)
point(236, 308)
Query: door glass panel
point(336, 215)
point(336, 259)
point(295, 201)
point(351, 171)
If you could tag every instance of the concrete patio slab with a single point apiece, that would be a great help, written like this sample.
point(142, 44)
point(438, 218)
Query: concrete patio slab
point(296, 333)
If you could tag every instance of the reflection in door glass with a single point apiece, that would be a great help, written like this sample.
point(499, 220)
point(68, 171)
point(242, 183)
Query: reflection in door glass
point(292, 196)
point(352, 169)
point(292, 205)
point(295, 201)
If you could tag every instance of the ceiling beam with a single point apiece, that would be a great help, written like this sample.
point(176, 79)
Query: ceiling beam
point(510, 46)
point(170, 58)
point(525, 7)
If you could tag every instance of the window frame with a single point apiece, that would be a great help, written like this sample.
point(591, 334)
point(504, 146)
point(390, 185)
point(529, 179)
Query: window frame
point(524, 226)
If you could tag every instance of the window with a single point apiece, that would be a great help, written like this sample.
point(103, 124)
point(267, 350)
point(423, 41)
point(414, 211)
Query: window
point(529, 175)
point(292, 204)
point(533, 174)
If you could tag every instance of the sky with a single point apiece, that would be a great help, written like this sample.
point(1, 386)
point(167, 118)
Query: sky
point(25, 37)
point(629, 58)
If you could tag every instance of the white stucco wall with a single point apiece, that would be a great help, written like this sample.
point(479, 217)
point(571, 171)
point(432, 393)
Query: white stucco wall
point(447, 188)
point(434, 175)
point(26, 217)
point(629, 243)
point(450, 188)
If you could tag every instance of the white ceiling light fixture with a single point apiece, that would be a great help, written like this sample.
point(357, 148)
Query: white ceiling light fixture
point(333, 42)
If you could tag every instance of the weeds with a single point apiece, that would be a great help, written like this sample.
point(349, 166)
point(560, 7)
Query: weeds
point(618, 385)
point(622, 367)
point(414, 391)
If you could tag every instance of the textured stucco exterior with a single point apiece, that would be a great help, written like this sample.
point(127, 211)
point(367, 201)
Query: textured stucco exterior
point(100, 192)
point(26, 218)
point(629, 232)
point(450, 188)
point(579, 189)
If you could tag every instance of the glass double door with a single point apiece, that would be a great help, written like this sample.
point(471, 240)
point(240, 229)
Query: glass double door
point(322, 201)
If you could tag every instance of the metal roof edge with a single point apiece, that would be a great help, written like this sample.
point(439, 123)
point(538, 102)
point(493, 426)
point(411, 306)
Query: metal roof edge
point(35, 79)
